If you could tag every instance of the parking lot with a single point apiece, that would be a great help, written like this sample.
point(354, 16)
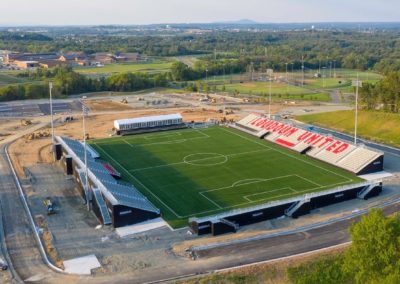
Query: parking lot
point(24, 109)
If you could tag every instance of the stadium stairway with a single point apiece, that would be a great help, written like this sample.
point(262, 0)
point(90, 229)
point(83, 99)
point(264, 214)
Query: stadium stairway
point(298, 208)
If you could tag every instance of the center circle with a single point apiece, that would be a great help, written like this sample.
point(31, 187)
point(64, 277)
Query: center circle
point(205, 159)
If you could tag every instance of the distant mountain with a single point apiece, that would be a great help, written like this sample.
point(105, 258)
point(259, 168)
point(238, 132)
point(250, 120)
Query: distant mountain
point(240, 22)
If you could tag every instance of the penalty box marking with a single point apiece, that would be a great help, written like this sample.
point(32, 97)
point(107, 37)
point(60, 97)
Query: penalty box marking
point(264, 192)
point(172, 141)
point(258, 180)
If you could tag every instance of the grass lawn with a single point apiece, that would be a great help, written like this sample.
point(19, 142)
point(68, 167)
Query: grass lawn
point(126, 67)
point(200, 172)
point(377, 126)
point(6, 79)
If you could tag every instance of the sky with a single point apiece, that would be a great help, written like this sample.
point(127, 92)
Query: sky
point(96, 12)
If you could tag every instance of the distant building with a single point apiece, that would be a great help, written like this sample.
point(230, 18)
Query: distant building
point(107, 58)
point(25, 64)
point(128, 57)
point(10, 58)
point(74, 58)
point(104, 57)
point(47, 64)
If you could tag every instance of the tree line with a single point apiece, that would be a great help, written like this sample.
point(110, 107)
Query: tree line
point(373, 257)
point(68, 82)
point(383, 95)
point(378, 50)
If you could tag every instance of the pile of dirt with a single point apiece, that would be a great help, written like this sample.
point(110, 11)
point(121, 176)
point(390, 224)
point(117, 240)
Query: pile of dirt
point(106, 105)
point(47, 239)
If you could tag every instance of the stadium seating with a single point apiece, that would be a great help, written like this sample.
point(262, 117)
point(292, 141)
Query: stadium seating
point(357, 159)
point(322, 147)
point(124, 194)
point(332, 157)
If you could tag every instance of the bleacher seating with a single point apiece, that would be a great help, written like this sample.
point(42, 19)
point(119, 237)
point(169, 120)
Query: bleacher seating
point(331, 156)
point(322, 147)
point(124, 194)
point(357, 159)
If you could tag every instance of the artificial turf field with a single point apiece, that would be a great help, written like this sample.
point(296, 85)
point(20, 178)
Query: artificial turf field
point(199, 172)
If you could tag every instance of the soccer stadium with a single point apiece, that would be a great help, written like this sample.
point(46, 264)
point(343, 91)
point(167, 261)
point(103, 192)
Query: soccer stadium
point(217, 177)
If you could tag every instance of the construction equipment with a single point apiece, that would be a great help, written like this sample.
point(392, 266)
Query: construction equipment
point(25, 121)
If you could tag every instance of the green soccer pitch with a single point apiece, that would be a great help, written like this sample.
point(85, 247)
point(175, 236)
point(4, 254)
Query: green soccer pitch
point(199, 172)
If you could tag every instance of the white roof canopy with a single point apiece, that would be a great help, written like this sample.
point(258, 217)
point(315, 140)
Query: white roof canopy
point(146, 119)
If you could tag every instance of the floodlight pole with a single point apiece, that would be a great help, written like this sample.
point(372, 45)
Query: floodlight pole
point(334, 69)
point(270, 98)
point(51, 118)
point(356, 112)
point(85, 153)
point(302, 70)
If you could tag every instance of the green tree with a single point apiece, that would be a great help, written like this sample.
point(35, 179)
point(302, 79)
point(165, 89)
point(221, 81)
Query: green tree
point(374, 256)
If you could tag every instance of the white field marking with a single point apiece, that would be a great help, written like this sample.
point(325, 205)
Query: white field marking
point(310, 181)
point(115, 139)
point(216, 156)
point(139, 182)
point(127, 143)
point(265, 199)
point(251, 181)
point(267, 191)
point(161, 135)
point(183, 162)
point(289, 155)
point(246, 181)
point(212, 201)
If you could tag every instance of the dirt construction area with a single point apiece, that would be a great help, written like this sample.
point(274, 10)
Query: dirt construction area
point(73, 231)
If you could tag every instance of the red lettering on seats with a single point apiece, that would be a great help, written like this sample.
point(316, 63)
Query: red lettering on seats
point(327, 140)
point(318, 140)
point(333, 145)
point(291, 131)
point(312, 139)
point(303, 136)
point(341, 148)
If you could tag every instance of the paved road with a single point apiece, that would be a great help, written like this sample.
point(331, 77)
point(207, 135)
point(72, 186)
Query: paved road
point(20, 242)
point(38, 108)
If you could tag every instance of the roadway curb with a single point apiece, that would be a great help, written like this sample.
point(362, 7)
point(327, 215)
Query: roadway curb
point(30, 217)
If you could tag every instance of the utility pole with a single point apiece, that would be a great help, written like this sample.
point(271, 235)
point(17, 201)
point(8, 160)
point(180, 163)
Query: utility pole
point(84, 113)
point(358, 84)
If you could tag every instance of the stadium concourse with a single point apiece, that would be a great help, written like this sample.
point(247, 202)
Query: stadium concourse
point(354, 158)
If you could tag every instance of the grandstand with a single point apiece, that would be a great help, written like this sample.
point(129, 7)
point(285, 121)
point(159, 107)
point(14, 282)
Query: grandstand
point(112, 201)
point(357, 159)
point(148, 124)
